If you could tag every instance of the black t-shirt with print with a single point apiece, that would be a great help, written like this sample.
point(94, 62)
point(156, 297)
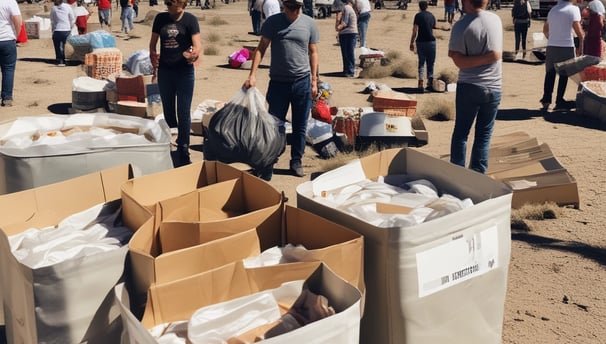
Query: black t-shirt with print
point(175, 38)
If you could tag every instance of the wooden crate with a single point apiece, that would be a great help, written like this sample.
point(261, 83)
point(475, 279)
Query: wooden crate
point(396, 103)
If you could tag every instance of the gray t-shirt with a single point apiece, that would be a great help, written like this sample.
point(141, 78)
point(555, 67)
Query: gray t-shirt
point(290, 46)
point(477, 34)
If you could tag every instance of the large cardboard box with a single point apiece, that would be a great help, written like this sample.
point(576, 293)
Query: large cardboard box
point(442, 281)
point(178, 300)
point(224, 214)
point(140, 195)
point(42, 164)
point(69, 302)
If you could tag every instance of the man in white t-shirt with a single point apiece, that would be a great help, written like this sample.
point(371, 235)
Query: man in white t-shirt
point(562, 20)
point(270, 7)
point(362, 8)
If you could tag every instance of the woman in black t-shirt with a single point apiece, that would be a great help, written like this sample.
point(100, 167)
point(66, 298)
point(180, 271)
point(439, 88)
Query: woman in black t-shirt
point(180, 47)
point(422, 33)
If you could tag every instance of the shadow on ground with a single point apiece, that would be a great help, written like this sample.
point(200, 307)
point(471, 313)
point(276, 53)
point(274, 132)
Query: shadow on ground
point(597, 254)
point(50, 61)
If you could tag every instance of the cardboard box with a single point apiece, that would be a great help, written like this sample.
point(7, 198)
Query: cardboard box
point(404, 104)
point(432, 282)
point(140, 195)
point(66, 302)
point(180, 299)
point(233, 207)
point(37, 165)
point(551, 186)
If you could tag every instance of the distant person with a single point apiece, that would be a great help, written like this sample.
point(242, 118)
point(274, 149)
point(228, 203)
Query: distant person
point(594, 44)
point(180, 46)
point(10, 28)
point(62, 20)
point(105, 13)
point(82, 16)
point(270, 7)
point(520, 13)
point(347, 28)
point(126, 15)
point(422, 34)
point(562, 20)
point(293, 74)
point(255, 8)
point(363, 10)
point(449, 11)
point(476, 46)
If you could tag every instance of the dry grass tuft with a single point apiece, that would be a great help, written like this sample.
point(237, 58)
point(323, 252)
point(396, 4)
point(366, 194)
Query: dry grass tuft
point(211, 50)
point(393, 55)
point(393, 64)
point(376, 71)
point(213, 37)
point(406, 69)
point(448, 75)
point(437, 107)
point(509, 27)
point(534, 212)
point(216, 20)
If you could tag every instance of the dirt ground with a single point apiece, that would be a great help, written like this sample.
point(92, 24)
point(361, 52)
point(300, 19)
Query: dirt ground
point(556, 290)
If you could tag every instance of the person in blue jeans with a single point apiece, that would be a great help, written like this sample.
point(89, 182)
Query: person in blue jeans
point(363, 9)
point(62, 20)
point(347, 27)
point(476, 46)
point(293, 74)
point(422, 33)
point(10, 27)
point(179, 35)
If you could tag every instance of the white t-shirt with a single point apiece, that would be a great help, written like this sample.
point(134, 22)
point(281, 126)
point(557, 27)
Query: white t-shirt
point(560, 19)
point(270, 7)
point(8, 8)
point(362, 6)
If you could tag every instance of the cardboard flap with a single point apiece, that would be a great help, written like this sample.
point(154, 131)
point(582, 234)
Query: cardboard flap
point(186, 262)
point(179, 235)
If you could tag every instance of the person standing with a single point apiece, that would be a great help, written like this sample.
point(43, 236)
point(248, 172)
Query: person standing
point(562, 20)
point(255, 8)
point(82, 16)
point(422, 34)
point(105, 13)
point(293, 73)
point(180, 46)
point(126, 15)
point(363, 10)
point(594, 44)
point(476, 46)
point(347, 28)
point(449, 10)
point(10, 28)
point(520, 13)
point(62, 20)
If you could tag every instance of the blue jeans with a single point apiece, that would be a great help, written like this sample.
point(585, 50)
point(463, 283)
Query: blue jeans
point(8, 61)
point(127, 19)
point(347, 41)
point(426, 51)
point(477, 103)
point(297, 94)
point(363, 20)
point(59, 39)
point(176, 91)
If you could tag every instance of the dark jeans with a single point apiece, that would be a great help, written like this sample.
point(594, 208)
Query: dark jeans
point(520, 32)
point(553, 56)
point(255, 17)
point(477, 103)
point(8, 61)
point(59, 39)
point(297, 95)
point(176, 90)
point(347, 42)
point(426, 51)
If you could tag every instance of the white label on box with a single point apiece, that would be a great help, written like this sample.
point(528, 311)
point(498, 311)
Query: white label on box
point(463, 258)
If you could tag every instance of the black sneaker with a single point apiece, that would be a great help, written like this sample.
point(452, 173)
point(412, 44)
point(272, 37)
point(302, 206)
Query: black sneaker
point(564, 105)
point(297, 169)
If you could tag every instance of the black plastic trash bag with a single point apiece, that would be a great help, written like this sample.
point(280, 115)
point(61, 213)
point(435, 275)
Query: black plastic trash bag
point(243, 131)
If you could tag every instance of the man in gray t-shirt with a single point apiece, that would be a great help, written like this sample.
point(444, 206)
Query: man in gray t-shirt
point(476, 45)
point(293, 73)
